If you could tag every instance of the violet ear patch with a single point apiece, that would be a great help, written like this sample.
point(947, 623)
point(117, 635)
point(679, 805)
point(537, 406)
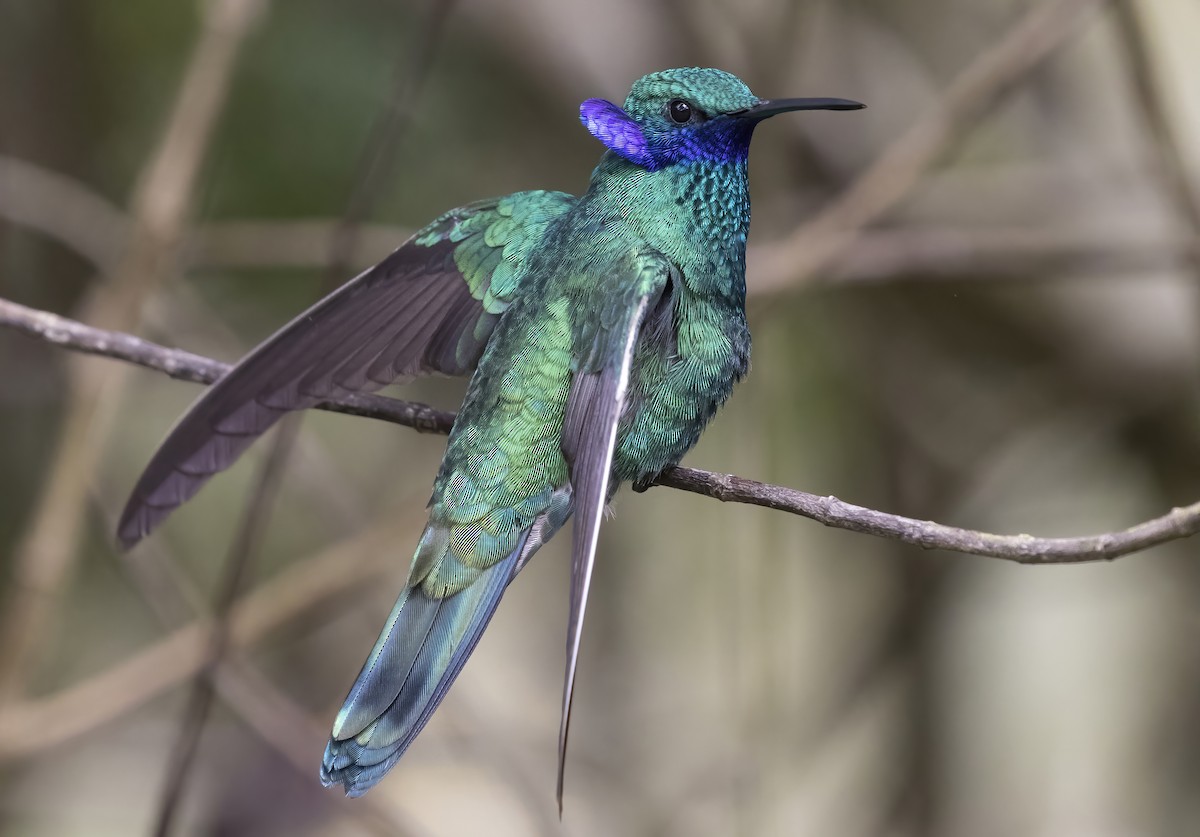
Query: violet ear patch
point(616, 129)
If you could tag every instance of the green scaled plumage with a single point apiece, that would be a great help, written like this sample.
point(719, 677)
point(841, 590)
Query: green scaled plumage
point(603, 333)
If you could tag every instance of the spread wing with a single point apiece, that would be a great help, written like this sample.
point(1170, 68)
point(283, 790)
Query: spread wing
point(595, 404)
point(429, 307)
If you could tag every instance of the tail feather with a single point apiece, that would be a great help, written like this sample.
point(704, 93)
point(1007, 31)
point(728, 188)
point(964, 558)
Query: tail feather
point(423, 647)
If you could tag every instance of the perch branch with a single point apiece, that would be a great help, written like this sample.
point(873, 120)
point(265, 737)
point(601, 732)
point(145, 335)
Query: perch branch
point(1025, 549)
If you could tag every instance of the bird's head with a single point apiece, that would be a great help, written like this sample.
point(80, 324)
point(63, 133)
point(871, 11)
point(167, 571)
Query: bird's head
point(688, 115)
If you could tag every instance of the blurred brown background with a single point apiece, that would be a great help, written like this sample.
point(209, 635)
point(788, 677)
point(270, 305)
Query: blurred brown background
point(974, 302)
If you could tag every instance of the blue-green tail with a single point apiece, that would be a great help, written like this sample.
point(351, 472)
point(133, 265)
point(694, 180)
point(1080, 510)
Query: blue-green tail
point(422, 649)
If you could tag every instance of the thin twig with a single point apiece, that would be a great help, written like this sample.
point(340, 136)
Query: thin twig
point(185, 366)
point(1023, 549)
point(974, 93)
point(830, 511)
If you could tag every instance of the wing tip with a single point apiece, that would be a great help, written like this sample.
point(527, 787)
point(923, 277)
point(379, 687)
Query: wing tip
point(133, 526)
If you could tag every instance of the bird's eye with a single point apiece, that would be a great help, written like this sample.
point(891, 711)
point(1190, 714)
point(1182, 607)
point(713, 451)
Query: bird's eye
point(679, 111)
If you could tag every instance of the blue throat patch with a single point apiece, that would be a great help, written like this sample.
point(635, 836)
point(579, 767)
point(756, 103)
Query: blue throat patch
point(721, 140)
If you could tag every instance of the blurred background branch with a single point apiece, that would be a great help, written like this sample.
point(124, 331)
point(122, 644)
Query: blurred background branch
point(66, 210)
point(973, 94)
point(374, 170)
point(1170, 165)
point(159, 206)
point(975, 304)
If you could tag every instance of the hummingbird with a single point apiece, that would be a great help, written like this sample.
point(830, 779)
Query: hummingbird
point(601, 334)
